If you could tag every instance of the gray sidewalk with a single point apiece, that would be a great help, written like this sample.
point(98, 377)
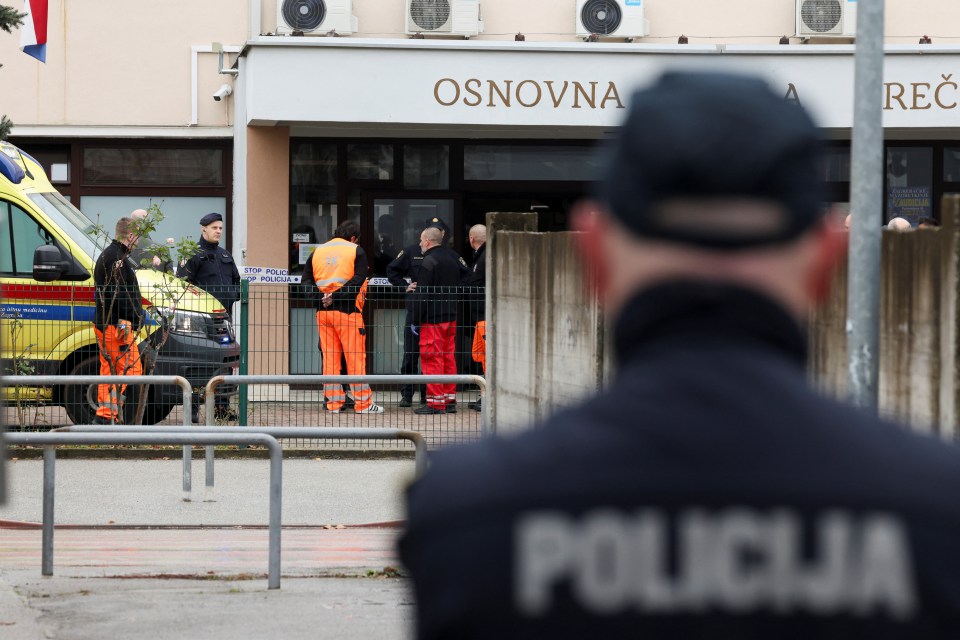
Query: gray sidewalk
point(202, 573)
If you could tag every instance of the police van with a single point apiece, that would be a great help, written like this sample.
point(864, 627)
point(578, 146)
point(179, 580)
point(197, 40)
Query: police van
point(47, 256)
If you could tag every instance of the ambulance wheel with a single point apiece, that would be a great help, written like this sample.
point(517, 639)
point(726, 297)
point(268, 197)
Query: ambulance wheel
point(75, 395)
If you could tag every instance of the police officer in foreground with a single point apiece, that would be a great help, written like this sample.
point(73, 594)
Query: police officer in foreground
point(708, 491)
point(213, 269)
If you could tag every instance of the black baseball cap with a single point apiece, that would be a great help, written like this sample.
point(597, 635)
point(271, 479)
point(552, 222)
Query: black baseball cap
point(438, 223)
point(693, 139)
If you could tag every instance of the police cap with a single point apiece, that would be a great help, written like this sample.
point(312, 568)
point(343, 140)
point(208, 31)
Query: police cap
point(438, 223)
point(694, 138)
point(210, 218)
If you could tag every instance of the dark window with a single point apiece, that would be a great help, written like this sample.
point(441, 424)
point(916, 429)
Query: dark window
point(426, 166)
point(140, 166)
point(836, 165)
point(313, 198)
point(56, 162)
point(370, 161)
point(529, 162)
point(951, 164)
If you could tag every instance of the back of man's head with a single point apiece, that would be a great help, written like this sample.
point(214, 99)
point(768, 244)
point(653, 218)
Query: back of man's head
point(705, 138)
point(432, 235)
point(899, 224)
point(711, 170)
point(347, 229)
point(125, 227)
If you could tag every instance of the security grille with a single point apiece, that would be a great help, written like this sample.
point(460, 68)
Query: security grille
point(305, 15)
point(430, 15)
point(821, 16)
point(601, 16)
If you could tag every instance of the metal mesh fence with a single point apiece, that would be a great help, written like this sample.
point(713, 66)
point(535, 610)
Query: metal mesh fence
point(274, 330)
point(283, 325)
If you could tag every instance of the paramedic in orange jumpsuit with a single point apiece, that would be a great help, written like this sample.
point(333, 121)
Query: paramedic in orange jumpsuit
point(118, 317)
point(337, 271)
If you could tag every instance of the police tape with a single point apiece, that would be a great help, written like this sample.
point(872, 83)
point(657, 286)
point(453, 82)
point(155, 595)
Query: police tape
point(271, 275)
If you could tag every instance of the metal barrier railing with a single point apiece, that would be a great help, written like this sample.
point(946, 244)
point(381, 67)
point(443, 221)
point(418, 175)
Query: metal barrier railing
point(52, 439)
point(244, 380)
point(180, 381)
point(279, 433)
point(58, 380)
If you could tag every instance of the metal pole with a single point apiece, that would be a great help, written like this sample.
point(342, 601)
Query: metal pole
point(244, 353)
point(276, 482)
point(209, 412)
point(866, 183)
point(49, 482)
point(187, 449)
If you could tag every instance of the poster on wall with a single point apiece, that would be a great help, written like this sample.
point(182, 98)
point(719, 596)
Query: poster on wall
point(911, 203)
point(305, 250)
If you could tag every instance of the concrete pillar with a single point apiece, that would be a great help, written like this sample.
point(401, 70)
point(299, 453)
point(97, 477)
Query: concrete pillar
point(497, 222)
point(268, 220)
point(949, 315)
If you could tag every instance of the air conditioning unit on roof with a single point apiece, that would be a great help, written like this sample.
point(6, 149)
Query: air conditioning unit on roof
point(316, 17)
point(443, 17)
point(611, 19)
point(826, 18)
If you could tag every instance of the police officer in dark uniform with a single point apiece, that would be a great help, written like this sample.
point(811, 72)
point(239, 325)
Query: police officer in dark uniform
point(407, 266)
point(708, 491)
point(213, 269)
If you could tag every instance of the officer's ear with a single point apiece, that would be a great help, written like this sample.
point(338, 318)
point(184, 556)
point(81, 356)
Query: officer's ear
point(832, 243)
point(591, 222)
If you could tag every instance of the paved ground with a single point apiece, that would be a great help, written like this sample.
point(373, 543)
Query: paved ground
point(118, 576)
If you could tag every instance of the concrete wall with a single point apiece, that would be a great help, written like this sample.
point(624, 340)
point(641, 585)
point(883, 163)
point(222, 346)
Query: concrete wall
point(918, 317)
point(547, 339)
point(546, 331)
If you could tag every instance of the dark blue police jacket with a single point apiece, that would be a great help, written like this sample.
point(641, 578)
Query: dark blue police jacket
point(708, 492)
point(212, 269)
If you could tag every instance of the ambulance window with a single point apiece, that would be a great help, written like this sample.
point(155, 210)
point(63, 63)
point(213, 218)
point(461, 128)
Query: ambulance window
point(20, 235)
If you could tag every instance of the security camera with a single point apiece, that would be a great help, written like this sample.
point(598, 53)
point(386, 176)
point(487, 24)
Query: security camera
point(221, 93)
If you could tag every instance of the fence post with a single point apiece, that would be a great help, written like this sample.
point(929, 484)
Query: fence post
point(49, 482)
point(244, 353)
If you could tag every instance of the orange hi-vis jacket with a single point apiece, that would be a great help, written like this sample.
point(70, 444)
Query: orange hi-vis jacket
point(339, 267)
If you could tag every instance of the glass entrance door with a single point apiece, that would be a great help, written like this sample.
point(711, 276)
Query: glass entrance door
point(397, 223)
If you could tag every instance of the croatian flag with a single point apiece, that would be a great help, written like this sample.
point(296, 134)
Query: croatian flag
point(33, 33)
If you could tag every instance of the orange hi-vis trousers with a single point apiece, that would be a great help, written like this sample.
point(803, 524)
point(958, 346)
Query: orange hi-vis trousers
point(479, 347)
point(119, 356)
point(343, 333)
point(437, 349)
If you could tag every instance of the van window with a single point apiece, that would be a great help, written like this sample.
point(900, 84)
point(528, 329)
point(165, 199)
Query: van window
point(20, 235)
point(68, 219)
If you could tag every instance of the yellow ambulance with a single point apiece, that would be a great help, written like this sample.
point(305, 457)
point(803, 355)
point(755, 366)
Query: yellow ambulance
point(47, 256)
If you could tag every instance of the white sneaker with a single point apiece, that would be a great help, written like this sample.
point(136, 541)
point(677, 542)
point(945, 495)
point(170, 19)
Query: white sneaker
point(373, 408)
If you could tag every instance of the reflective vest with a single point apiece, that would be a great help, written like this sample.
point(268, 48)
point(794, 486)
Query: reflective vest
point(333, 266)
